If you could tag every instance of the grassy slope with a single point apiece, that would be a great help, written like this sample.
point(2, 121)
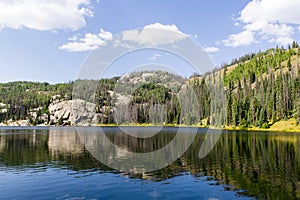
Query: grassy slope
point(286, 126)
point(289, 125)
point(280, 126)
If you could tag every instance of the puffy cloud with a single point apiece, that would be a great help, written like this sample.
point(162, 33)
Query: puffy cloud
point(152, 34)
point(44, 14)
point(281, 40)
point(273, 21)
point(211, 49)
point(286, 12)
point(88, 42)
point(240, 39)
point(155, 34)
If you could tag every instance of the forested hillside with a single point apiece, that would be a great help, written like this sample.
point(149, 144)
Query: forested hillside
point(260, 89)
point(19, 100)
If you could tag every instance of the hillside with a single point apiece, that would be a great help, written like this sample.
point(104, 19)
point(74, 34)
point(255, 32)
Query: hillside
point(260, 90)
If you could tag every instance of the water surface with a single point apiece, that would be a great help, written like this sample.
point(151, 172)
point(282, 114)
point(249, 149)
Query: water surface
point(53, 163)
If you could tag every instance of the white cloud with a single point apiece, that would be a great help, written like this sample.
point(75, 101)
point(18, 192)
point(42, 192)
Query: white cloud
point(172, 27)
point(211, 49)
point(154, 57)
point(281, 40)
point(271, 11)
point(88, 42)
point(44, 14)
point(155, 34)
point(273, 21)
point(240, 39)
point(152, 34)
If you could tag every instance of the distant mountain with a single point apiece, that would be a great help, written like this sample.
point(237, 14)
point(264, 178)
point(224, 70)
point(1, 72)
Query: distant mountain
point(259, 90)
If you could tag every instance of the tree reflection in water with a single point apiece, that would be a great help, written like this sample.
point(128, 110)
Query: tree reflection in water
point(265, 165)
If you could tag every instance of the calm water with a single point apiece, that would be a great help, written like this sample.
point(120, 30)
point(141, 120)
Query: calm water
point(53, 163)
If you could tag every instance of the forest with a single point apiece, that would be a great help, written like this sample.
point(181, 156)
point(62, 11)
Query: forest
point(259, 89)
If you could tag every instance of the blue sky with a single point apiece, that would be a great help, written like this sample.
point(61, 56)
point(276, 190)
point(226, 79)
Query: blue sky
point(42, 40)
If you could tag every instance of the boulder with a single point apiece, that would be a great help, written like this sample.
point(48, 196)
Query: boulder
point(73, 112)
point(23, 123)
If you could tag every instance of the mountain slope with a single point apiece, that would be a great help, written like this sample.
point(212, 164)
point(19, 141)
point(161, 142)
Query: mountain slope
point(259, 90)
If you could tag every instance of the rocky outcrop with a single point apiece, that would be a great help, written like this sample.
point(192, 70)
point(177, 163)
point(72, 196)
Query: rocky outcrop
point(63, 113)
point(73, 112)
point(168, 80)
point(3, 108)
point(16, 123)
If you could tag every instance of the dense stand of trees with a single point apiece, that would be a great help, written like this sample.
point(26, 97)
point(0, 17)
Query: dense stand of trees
point(264, 89)
point(259, 90)
point(266, 101)
point(18, 99)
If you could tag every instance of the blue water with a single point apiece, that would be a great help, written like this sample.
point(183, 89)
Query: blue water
point(48, 182)
point(53, 163)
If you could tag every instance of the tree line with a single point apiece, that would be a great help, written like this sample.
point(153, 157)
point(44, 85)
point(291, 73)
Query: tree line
point(258, 90)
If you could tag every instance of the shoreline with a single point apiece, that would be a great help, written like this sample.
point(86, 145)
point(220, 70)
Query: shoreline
point(295, 129)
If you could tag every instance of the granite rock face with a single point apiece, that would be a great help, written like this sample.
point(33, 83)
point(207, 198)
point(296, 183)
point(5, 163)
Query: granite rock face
point(63, 113)
point(73, 112)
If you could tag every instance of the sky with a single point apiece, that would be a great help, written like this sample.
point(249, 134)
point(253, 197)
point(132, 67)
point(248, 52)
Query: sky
point(43, 40)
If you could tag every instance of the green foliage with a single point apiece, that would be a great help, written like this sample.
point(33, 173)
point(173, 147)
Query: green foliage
point(265, 125)
point(151, 93)
point(260, 89)
point(244, 124)
point(21, 98)
point(264, 89)
point(259, 64)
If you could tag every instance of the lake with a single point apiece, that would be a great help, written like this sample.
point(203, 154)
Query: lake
point(57, 163)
